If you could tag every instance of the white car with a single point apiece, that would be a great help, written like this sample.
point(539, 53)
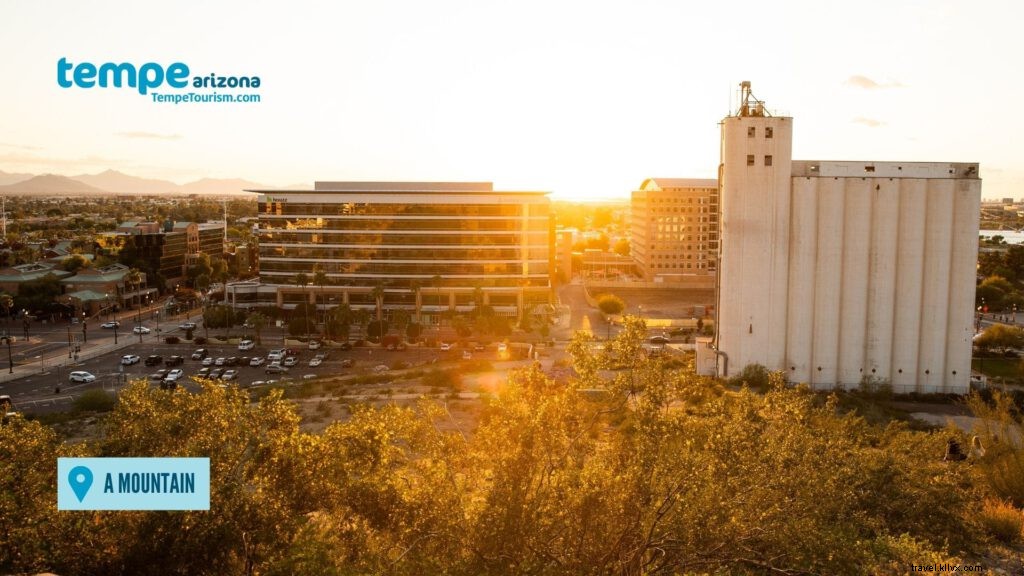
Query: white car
point(187, 326)
point(314, 344)
point(129, 359)
point(79, 376)
point(446, 346)
point(229, 375)
point(111, 324)
point(208, 361)
point(219, 361)
point(141, 330)
point(246, 345)
point(175, 374)
point(314, 362)
point(275, 355)
point(256, 361)
point(291, 361)
point(381, 368)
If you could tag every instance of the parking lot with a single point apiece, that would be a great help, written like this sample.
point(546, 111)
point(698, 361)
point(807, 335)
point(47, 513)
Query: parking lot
point(37, 393)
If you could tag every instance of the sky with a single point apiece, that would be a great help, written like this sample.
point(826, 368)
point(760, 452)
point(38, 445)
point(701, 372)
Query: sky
point(583, 99)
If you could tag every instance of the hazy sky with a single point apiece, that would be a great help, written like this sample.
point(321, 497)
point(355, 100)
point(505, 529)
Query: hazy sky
point(585, 99)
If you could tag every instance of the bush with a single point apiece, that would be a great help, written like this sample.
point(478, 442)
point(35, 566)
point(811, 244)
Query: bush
point(753, 375)
point(95, 401)
point(1002, 521)
point(443, 379)
point(199, 340)
point(172, 340)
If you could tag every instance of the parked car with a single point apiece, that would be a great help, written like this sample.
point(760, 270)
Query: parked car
point(256, 361)
point(314, 344)
point(348, 363)
point(445, 346)
point(381, 368)
point(129, 359)
point(246, 345)
point(257, 383)
point(275, 355)
point(208, 361)
point(81, 376)
point(174, 361)
point(314, 362)
point(154, 360)
point(275, 368)
point(658, 340)
point(203, 373)
point(141, 330)
point(169, 384)
point(291, 361)
point(479, 348)
point(231, 361)
point(187, 325)
point(111, 324)
point(229, 375)
point(219, 361)
point(309, 376)
point(175, 374)
point(158, 376)
point(200, 354)
point(215, 373)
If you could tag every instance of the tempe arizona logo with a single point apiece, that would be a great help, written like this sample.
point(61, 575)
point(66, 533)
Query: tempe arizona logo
point(175, 78)
point(133, 483)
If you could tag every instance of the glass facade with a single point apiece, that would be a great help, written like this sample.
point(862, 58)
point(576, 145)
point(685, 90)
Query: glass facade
point(455, 241)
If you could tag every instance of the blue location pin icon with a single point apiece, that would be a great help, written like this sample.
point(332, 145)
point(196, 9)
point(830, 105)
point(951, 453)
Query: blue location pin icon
point(80, 479)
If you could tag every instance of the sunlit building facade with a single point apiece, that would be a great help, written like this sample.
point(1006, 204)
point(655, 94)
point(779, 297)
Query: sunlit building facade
point(673, 227)
point(430, 247)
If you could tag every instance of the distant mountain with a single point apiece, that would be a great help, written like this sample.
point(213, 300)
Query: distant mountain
point(12, 177)
point(219, 186)
point(51, 184)
point(121, 183)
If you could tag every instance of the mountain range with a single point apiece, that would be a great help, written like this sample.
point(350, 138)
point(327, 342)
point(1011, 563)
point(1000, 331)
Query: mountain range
point(114, 182)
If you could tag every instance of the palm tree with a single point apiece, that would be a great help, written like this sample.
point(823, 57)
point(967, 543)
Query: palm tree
point(302, 279)
point(257, 321)
point(436, 280)
point(320, 278)
point(6, 302)
point(378, 297)
point(415, 286)
point(133, 278)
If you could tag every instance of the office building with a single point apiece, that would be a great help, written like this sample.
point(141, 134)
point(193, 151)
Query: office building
point(430, 246)
point(164, 250)
point(838, 271)
point(674, 230)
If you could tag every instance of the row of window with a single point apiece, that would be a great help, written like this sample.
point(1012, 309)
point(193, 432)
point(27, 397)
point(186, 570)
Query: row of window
point(270, 264)
point(767, 160)
point(376, 209)
point(681, 266)
point(384, 253)
point(535, 239)
point(411, 281)
point(467, 224)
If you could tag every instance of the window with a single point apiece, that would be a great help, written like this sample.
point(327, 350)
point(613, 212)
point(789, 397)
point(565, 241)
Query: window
point(750, 159)
point(751, 131)
point(769, 132)
point(768, 160)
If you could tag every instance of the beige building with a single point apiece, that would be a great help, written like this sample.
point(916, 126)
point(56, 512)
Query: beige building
point(674, 229)
point(839, 271)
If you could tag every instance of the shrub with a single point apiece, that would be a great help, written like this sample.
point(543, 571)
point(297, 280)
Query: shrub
point(199, 340)
point(753, 375)
point(1002, 521)
point(172, 340)
point(95, 401)
point(442, 379)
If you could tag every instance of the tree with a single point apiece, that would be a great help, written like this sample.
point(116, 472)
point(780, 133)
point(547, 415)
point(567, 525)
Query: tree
point(378, 299)
point(376, 330)
point(219, 274)
point(134, 279)
point(320, 278)
point(339, 321)
point(299, 323)
point(200, 267)
point(413, 331)
point(74, 263)
point(1000, 336)
point(301, 279)
point(610, 305)
point(257, 321)
point(621, 247)
point(6, 302)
